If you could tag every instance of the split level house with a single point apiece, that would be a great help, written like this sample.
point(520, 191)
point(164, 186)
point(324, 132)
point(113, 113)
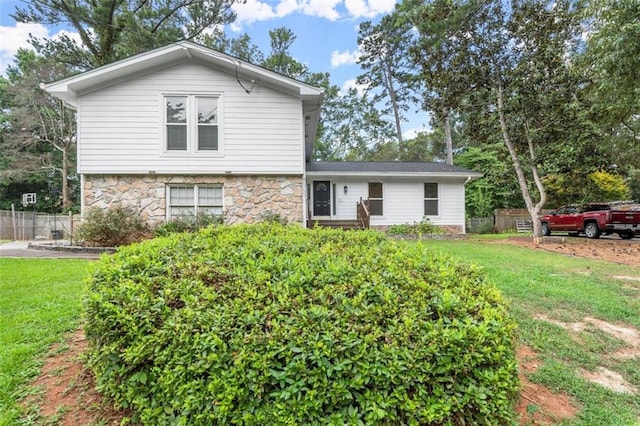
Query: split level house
point(184, 129)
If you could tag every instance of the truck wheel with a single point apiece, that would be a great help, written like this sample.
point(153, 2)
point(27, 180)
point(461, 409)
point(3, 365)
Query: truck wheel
point(627, 235)
point(591, 230)
point(545, 229)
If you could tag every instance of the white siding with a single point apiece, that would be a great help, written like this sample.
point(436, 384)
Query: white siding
point(403, 199)
point(120, 128)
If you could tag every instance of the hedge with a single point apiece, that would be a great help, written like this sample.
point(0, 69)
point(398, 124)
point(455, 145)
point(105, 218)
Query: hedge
point(278, 325)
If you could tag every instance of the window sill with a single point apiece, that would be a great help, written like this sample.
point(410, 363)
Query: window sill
point(203, 154)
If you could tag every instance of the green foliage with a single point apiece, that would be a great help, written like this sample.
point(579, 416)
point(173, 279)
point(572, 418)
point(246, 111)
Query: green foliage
point(608, 187)
point(112, 227)
point(424, 227)
point(634, 184)
point(187, 224)
point(497, 188)
point(272, 217)
point(267, 324)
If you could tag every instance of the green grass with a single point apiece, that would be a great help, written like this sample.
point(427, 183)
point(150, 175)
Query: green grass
point(40, 300)
point(566, 289)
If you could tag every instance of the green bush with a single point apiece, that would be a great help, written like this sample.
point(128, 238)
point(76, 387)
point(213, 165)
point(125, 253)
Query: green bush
point(269, 325)
point(424, 227)
point(271, 216)
point(112, 227)
point(187, 224)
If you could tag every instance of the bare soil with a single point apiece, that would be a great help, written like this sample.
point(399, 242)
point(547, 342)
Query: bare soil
point(610, 248)
point(538, 405)
point(68, 397)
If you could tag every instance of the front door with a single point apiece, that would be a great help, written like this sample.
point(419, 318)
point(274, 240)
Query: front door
point(321, 198)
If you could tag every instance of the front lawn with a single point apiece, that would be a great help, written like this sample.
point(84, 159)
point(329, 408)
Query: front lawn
point(40, 300)
point(559, 303)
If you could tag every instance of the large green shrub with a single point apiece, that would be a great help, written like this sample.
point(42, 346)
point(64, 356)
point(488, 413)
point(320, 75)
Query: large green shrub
point(271, 325)
point(112, 227)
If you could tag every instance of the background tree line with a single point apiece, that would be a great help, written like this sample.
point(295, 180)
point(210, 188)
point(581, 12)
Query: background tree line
point(540, 96)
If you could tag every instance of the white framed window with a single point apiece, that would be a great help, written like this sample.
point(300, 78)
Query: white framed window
point(375, 199)
point(191, 200)
point(191, 124)
point(431, 199)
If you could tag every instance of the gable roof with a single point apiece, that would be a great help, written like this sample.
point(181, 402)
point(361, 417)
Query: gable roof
point(395, 168)
point(70, 88)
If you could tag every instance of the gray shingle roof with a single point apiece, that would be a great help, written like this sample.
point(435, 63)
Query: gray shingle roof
point(389, 167)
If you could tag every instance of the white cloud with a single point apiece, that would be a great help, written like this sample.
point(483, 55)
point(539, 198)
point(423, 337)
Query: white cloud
point(252, 11)
point(352, 84)
point(344, 58)
point(368, 8)
point(287, 7)
point(322, 9)
point(412, 133)
point(257, 10)
point(13, 38)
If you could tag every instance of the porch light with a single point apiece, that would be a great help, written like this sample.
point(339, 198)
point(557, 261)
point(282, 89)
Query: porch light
point(345, 189)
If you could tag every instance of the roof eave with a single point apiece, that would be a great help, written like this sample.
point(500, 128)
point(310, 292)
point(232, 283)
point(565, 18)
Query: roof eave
point(463, 175)
point(67, 89)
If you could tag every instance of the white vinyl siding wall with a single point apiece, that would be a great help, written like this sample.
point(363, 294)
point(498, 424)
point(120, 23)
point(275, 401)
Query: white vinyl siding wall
point(120, 127)
point(403, 199)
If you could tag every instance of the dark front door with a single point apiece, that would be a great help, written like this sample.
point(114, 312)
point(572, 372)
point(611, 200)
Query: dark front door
point(321, 198)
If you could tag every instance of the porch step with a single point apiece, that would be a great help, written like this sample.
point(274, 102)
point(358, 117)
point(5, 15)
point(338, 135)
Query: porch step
point(343, 224)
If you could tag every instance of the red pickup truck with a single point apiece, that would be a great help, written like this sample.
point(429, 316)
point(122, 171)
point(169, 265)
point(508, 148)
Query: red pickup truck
point(593, 220)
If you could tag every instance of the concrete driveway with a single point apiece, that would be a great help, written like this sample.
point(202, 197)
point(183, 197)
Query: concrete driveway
point(43, 249)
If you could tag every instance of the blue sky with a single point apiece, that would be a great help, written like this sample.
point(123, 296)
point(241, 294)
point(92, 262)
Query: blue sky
point(326, 32)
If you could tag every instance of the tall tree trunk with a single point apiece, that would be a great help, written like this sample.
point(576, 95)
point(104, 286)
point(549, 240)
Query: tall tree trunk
point(447, 135)
point(534, 210)
point(394, 103)
point(66, 199)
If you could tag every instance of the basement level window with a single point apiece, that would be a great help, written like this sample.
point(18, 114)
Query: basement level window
point(193, 200)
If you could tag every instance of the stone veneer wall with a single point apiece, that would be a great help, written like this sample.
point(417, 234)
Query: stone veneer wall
point(246, 198)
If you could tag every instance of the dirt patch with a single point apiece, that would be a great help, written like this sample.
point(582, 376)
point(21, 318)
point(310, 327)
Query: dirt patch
point(68, 397)
point(537, 404)
point(630, 336)
point(603, 376)
point(608, 379)
point(612, 249)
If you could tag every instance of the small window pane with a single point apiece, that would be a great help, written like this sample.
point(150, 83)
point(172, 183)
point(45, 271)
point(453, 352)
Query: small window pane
point(181, 196)
point(430, 190)
point(207, 138)
point(180, 212)
point(375, 207)
point(210, 196)
point(208, 110)
point(176, 138)
point(431, 207)
point(375, 190)
point(177, 109)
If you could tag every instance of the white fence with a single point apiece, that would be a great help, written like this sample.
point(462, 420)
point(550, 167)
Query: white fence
point(25, 225)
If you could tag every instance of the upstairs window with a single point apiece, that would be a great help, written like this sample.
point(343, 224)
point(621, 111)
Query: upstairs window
point(191, 123)
point(375, 198)
point(431, 199)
